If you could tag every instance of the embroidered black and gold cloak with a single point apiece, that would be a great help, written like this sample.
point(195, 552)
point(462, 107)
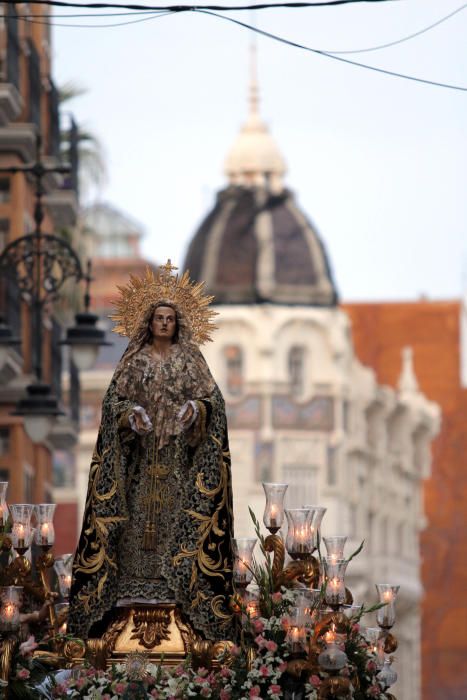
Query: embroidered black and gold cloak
point(181, 479)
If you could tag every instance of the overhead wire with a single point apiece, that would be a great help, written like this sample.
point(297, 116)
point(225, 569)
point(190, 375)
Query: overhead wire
point(349, 61)
point(39, 20)
point(403, 39)
point(188, 8)
point(156, 12)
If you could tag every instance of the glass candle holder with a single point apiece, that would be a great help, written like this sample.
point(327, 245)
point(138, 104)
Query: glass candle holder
point(274, 509)
point(243, 551)
point(335, 546)
point(375, 641)
point(299, 542)
point(334, 572)
point(63, 568)
point(386, 616)
point(11, 599)
point(296, 632)
point(387, 676)
point(3, 504)
point(45, 533)
point(318, 516)
point(332, 658)
point(21, 532)
point(61, 612)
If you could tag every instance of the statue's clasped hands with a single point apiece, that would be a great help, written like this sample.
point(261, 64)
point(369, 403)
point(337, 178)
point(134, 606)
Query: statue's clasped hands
point(141, 424)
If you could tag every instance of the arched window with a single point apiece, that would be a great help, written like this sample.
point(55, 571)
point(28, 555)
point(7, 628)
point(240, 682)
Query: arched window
point(233, 355)
point(296, 369)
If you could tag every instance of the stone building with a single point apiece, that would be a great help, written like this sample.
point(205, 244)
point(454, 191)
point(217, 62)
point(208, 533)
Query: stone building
point(302, 408)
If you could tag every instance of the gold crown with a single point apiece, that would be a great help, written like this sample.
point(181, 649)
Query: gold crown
point(142, 292)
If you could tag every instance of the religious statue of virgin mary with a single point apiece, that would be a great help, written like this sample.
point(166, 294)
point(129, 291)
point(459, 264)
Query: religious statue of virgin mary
point(158, 521)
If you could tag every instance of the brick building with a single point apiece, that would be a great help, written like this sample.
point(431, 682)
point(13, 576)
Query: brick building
point(29, 105)
point(436, 332)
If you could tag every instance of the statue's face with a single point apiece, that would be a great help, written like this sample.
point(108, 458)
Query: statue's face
point(164, 323)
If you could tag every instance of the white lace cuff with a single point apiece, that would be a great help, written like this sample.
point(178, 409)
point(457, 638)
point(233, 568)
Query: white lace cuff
point(145, 418)
point(184, 409)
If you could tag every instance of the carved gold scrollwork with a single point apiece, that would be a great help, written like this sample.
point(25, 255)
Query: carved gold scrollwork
point(111, 634)
point(6, 658)
point(97, 653)
point(151, 627)
point(304, 570)
point(74, 649)
point(202, 654)
point(273, 543)
point(187, 634)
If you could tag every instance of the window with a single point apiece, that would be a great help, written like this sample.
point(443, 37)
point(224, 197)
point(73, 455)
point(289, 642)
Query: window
point(303, 485)
point(234, 369)
point(296, 369)
point(4, 190)
point(332, 466)
point(4, 440)
point(4, 475)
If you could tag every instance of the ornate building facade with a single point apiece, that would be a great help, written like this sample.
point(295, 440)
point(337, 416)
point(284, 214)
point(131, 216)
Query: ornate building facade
point(29, 106)
point(302, 407)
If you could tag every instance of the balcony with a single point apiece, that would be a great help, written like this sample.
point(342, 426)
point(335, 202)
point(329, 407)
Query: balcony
point(63, 207)
point(19, 139)
point(10, 103)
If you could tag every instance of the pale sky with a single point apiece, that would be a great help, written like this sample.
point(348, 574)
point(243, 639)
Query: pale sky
point(378, 163)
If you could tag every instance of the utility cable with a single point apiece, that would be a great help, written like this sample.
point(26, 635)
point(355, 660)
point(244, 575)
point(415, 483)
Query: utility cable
point(405, 38)
point(188, 8)
point(153, 15)
point(296, 45)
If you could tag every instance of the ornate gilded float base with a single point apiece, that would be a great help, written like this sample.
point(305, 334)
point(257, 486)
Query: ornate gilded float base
point(157, 631)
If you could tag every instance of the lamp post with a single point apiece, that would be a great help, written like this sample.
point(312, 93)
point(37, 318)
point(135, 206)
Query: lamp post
point(40, 263)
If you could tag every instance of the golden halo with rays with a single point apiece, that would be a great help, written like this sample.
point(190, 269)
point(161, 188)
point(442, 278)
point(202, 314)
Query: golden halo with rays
point(142, 292)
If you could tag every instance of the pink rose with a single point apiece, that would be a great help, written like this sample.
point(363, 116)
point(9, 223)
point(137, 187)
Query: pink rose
point(202, 672)
point(285, 624)
point(275, 689)
point(356, 627)
point(235, 650)
point(258, 626)
point(106, 696)
point(205, 692)
point(315, 681)
point(271, 646)
point(276, 597)
point(120, 687)
point(283, 667)
point(225, 672)
point(264, 671)
point(255, 691)
point(370, 666)
point(179, 671)
point(225, 694)
point(260, 641)
point(23, 674)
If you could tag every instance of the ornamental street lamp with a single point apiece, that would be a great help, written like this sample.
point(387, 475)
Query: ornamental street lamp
point(40, 263)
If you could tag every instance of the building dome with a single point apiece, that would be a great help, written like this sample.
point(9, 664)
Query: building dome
point(256, 245)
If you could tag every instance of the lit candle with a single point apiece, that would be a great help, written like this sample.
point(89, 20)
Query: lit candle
point(388, 597)
point(21, 536)
point(330, 636)
point(45, 533)
point(273, 516)
point(9, 610)
point(334, 584)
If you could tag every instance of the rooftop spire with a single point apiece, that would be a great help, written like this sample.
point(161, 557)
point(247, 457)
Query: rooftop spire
point(254, 88)
point(254, 159)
